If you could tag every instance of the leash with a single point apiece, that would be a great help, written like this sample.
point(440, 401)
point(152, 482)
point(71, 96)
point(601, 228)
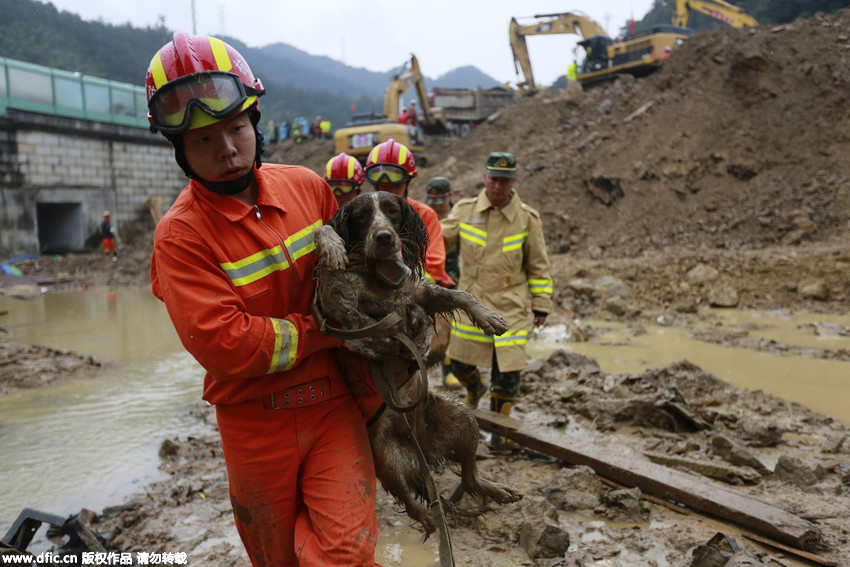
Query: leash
point(447, 558)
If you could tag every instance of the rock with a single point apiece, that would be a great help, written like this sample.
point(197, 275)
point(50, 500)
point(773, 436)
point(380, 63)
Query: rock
point(564, 358)
point(733, 452)
point(573, 489)
point(581, 286)
point(794, 470)
point(543, 539)
point(814, 289)
point(627, 501)
point(701, 274)
point(609, 286)
point(723, 296)
point(616, 305)
point(759, 433)
point(794, 237)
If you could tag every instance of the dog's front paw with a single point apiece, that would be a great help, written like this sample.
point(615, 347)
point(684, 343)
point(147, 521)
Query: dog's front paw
point(330, 248)
point(489, 321)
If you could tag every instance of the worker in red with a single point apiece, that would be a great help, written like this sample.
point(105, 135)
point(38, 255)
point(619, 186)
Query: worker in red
point(233, 262)
point(345, 175)
point(390, 167)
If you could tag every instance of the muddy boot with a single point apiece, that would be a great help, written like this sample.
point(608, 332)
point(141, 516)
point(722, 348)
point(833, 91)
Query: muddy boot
point(475, 387)
point(450, 381)
point(503, 405)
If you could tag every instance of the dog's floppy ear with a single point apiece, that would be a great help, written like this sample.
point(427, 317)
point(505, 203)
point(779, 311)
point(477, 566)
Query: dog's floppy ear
point(414, 237)
point(339, 222)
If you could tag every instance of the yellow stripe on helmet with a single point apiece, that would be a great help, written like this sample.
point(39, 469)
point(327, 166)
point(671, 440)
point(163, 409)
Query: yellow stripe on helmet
point(219, 51)
point(158, 71)
point(351, 168)
point(402, 154)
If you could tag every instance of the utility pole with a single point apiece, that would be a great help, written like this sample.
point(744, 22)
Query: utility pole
point(194, 23)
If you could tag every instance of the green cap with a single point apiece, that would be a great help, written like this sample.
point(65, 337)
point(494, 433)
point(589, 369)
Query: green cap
point(501, 164)
point(437, 190)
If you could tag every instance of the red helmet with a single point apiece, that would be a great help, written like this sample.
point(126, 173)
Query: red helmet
point(344, 167)
point(193, 73)
point(390, 161)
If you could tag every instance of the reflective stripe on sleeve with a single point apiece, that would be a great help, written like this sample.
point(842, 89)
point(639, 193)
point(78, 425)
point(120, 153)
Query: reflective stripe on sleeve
point(285, 345)
point(540, 286)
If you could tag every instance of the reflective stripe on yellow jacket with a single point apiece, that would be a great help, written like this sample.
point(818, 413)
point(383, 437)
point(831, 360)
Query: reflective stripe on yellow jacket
point(504, 264)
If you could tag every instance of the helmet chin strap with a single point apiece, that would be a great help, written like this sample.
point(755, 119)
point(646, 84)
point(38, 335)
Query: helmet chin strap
point(222, 187)
point(228, 187)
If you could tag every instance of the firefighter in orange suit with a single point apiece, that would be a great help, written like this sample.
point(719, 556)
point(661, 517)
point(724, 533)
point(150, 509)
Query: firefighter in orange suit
point(505, 265)
point(233, 261)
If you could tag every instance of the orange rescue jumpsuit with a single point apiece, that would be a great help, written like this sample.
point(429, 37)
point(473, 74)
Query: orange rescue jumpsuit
point(435, 257)
point(237, 283)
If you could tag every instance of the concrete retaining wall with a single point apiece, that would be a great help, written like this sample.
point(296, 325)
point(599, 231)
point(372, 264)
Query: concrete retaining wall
point(58, 175)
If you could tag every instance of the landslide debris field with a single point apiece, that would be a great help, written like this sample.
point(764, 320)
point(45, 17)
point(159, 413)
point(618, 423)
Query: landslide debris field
point(723, 179)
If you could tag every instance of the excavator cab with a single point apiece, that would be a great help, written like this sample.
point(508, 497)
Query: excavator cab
point(595, 53)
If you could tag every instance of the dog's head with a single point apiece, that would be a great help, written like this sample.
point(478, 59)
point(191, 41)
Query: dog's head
point(378, 225)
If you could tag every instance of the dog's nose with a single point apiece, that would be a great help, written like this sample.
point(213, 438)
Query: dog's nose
point(384, 237)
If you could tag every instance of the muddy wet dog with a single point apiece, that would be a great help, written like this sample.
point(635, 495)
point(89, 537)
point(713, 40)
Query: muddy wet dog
point(370, 260)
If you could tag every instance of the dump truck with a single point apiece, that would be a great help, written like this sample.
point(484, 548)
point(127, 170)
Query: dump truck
point(367, 130)
point(464, 109)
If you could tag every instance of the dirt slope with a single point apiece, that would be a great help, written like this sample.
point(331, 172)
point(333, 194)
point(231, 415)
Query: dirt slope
point(734, 154)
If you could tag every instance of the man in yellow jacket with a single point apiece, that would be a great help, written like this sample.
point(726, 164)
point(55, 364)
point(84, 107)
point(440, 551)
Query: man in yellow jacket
point(504, 264)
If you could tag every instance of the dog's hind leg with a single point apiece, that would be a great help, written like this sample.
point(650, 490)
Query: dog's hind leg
point(453, 431)
point(397, 468)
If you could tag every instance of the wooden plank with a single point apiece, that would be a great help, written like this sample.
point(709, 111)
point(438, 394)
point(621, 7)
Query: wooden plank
point(691, 490)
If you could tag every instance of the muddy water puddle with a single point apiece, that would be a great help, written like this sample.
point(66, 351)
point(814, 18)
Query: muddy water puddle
point(92, 441)
point(820, 384)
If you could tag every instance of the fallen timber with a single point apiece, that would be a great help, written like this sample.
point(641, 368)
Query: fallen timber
point(695, 492)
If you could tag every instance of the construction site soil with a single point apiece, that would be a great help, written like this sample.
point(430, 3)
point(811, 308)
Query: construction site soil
point(721, 180)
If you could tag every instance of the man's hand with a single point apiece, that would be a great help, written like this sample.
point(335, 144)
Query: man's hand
point(539, 319)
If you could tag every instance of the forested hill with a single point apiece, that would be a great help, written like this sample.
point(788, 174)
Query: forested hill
point(298, 84)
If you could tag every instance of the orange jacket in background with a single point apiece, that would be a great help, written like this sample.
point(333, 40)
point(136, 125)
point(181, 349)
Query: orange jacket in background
point(435, 257)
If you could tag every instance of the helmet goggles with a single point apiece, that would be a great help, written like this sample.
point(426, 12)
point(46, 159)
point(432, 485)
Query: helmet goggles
point(342, 187)
point(386, 172)
point(217, 93)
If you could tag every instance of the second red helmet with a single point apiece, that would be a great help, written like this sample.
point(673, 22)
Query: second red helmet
point(393, 154)
point(344, 167)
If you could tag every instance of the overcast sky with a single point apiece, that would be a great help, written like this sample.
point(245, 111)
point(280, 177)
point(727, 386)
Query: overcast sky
point(379, 35)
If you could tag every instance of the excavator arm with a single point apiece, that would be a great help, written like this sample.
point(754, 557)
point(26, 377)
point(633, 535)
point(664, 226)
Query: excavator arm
point(563, 23)
point(432, 123)
point(717, 9)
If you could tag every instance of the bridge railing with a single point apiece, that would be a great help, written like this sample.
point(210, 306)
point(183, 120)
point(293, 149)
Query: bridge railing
point(36, 88)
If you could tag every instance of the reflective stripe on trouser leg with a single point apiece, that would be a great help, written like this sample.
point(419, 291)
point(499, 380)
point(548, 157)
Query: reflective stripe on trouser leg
point(302, 483)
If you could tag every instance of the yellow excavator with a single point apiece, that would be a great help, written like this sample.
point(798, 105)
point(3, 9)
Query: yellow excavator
point(365, 131)
point(637, 54)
